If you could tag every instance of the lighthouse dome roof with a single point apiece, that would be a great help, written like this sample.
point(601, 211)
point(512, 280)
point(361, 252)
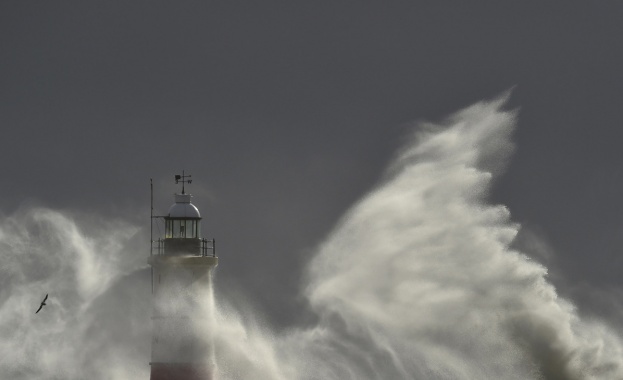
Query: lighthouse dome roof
point(182, 208)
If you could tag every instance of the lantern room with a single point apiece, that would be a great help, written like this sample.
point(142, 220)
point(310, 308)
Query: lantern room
point(182, 228)
point(183, 219)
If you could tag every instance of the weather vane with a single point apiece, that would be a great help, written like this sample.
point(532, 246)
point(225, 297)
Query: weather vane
point(183, 179)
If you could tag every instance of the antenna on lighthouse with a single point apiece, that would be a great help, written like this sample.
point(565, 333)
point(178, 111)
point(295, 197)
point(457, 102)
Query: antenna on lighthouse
point(183, 179)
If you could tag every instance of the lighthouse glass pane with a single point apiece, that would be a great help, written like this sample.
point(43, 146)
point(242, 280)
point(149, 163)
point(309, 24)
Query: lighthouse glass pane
point(176, 228)
point(169, 229)
point(191, 229)
point(182, 228)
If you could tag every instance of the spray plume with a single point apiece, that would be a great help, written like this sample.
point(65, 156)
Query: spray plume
point(417, 281)
point(98, 304)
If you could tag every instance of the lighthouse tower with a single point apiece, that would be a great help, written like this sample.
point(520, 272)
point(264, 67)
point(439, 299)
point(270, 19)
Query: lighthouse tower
point(182, 263)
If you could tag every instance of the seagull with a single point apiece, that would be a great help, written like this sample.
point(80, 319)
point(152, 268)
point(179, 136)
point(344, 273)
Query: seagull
point(42, 304)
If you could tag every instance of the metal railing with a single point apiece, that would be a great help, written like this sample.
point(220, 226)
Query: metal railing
point(205, 248)
point(208, 248)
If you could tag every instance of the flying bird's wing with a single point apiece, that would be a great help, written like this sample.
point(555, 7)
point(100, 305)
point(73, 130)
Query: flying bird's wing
point(42, 304)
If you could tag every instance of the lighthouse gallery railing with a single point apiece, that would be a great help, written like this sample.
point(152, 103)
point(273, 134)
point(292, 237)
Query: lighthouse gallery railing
point(205, 248)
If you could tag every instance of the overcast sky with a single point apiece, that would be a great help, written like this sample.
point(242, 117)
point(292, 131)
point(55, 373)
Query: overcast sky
point(286, 113)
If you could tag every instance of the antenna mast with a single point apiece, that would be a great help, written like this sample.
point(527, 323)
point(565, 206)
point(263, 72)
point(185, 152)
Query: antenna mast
point(151, 229)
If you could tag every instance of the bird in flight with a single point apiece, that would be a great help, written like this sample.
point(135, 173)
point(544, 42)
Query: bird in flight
point(42, 304)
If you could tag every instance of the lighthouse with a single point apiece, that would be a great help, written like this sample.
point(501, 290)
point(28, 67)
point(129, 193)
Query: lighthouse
point(182, 263)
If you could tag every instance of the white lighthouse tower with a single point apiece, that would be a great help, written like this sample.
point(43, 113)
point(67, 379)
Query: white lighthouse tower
point(182, 263)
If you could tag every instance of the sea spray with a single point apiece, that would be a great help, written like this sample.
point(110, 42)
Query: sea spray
point(421, 279)
point(418, 281)
point(96, 321)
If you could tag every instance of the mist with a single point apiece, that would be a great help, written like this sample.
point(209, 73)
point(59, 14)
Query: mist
point(418, 280)
point(94, 324)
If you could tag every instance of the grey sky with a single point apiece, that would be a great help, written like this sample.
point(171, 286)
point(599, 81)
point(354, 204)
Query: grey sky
point(287, 112)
